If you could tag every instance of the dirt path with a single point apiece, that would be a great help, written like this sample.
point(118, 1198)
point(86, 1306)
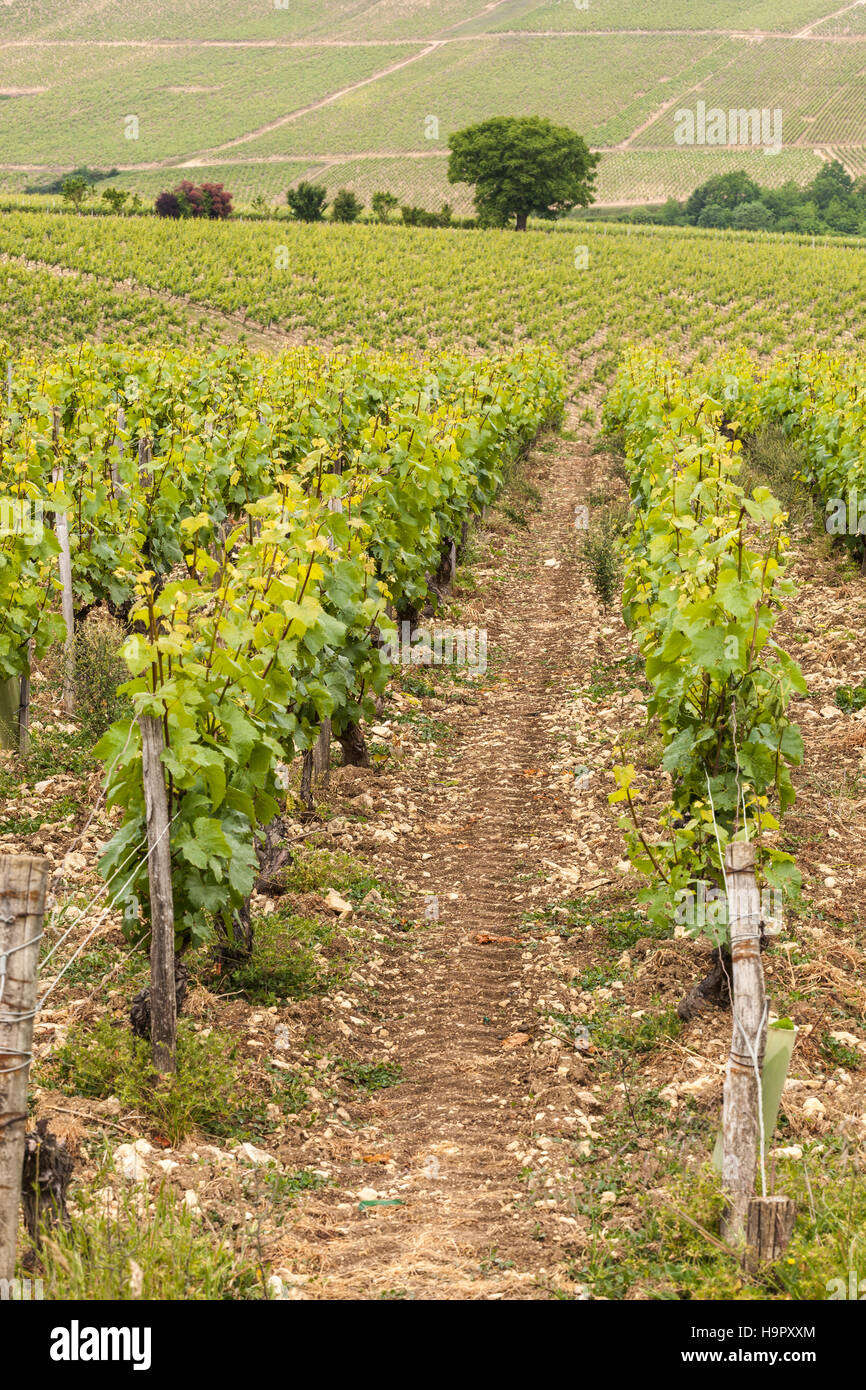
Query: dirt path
point(462, 1013)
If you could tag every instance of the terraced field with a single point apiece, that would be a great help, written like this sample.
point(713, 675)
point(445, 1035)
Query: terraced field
point(81, 97)
point(782, 16)
point(822, 100)
point(340, 91)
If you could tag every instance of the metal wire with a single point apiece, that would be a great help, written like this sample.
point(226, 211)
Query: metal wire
point(10, 1019)
point(98, 923)
point(97, 895)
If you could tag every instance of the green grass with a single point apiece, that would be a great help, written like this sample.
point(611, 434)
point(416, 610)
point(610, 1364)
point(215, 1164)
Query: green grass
point(317, 870)
point(850, 698)
point(288, 961)
point(214, 1090)
point(95, 1257)
point(370, 1076)
point(66, 808)
point(51, 753)
point(663, 1256)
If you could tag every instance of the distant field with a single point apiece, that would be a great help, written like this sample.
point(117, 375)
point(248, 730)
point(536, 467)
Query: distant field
point(233, 19)
point(224, 86)
point(601, 85)
point(391, 286)
point(851, 22)
point(822, 101)
point(43, 310)
point(184, 100)
point(646, 176)
point(784, 16)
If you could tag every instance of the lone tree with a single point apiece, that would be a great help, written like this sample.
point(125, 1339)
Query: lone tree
point(522, 165)
point(76, 190)
point(307, 202)
point(383, 205)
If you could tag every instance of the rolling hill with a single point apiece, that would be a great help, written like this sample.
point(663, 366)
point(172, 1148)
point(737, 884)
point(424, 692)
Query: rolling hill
point(261, 94)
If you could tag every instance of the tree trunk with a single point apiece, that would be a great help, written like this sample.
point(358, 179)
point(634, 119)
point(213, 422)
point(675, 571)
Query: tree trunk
point(322, 753)
point(354, 748)
point(522, 218)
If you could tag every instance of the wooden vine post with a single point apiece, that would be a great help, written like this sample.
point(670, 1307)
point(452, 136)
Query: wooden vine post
point(23, 883)
point(163, 1000)
point(61, 528)
point(762, 1225)
point(24, 706)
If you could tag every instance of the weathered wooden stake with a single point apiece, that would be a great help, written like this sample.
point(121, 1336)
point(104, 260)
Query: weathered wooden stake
point(23, 883)
point(116, 485)
point(61, 527)
point(163, 1001)
point(322, 752)
point(769, 1227)
point(307, 781)
point(10, 705)
point(24, 706)
point(741, 1116)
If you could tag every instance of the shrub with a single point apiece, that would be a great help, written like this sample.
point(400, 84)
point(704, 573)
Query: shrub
point(601, 552)
point(383, 205)
point(214, 1090)
point(347, 208)
point(115, 198)
point(307, 202)
point(187, 199)
point(99, 670)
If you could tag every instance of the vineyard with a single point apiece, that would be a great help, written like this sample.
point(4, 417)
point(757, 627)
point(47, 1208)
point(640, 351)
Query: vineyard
point(337, 91)
point(271, 509)
point(320, 283)
point(432, 687)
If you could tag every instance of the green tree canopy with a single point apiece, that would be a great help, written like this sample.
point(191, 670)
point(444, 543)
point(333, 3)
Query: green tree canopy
point(383, 205)
point(76, 189)
point(522, 166)
point(725, 191)
point(307, 202)
point(347, 208)
point(831, 182)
